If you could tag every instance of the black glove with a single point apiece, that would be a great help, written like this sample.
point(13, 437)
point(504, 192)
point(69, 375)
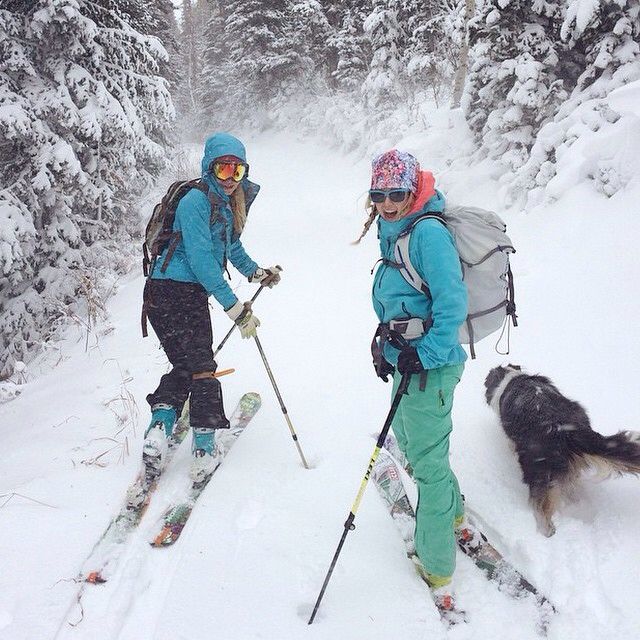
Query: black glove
point(409, 362)
point(383, 369)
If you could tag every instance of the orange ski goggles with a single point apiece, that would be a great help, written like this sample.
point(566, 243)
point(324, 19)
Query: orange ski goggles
point(225, 170)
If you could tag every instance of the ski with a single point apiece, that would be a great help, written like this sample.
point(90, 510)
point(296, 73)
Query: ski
point(176, 516)
point(137, 500)
point(470, 539)
point(388, 481)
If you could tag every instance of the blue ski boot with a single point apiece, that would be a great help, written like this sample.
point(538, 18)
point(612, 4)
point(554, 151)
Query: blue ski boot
point(205, 455)
point(160, 429)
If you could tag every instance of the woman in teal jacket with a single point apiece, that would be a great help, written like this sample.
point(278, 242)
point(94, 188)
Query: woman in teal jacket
point(428, 349)
point(206, 233)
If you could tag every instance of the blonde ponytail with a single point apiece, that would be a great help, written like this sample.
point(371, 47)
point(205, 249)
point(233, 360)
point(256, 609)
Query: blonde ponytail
point(239, 209)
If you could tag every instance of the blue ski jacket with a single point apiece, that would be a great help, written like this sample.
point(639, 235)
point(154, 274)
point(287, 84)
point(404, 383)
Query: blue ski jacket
point(207, 240)
point(433, 254)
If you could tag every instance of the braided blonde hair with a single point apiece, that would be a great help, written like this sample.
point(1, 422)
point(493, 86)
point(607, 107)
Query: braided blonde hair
point(373, 214)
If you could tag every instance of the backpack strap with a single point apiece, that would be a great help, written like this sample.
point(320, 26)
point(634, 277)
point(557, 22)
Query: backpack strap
point(401, 254)
point(176, 236)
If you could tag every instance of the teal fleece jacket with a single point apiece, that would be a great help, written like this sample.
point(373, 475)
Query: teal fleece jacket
point(433, 254)
point(209, 240)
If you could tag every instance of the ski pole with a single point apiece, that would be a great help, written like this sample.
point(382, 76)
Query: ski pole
point(348, 525)
point(233, 326)
point(284, 409)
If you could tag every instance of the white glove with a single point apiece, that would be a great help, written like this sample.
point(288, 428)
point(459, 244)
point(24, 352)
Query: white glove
point(267, 277)
point(242, 315)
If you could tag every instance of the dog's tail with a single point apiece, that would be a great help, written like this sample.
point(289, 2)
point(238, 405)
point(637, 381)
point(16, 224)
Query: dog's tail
point(608, 455)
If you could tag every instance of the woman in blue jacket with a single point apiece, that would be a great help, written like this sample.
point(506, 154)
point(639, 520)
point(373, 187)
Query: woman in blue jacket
point(428, 322)
point(207, 228)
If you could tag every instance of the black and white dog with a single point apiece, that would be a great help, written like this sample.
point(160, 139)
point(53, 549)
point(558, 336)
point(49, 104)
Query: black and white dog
point(553, 438)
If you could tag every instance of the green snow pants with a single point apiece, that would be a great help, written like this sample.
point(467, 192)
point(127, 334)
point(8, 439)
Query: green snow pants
point(422, 426)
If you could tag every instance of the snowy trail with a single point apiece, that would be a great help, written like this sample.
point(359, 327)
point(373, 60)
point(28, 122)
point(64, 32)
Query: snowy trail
point(252, 559)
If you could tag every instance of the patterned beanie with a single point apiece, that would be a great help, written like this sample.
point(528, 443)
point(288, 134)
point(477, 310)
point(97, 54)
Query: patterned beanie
point(395, 170)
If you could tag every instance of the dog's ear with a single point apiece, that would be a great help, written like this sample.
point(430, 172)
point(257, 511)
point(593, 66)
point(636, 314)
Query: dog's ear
point(493, 379)
point(515, 367)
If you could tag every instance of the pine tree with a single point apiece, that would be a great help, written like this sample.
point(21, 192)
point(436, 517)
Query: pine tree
point(212, 84)
point(608, 31)
point(315, 40)
point(353, 47)
point(435, 34)
point(601, 40)
point(264, 64)
point(82, 112)
point(20, 131)
point(515, 82)
point(190, 63)
point(385, 84)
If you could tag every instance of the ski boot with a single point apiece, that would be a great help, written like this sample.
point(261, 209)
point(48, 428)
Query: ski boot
point(159, 431)
point(205, 456)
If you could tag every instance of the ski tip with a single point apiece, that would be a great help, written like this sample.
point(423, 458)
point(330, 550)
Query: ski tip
point(161, 539)
point(253, 397)
point(94, 577)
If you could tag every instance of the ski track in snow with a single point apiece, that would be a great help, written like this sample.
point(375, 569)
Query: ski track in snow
point(252, 559)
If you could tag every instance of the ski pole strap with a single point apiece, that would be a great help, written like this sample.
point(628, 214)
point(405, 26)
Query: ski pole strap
point(382, 335)
point(397, 333)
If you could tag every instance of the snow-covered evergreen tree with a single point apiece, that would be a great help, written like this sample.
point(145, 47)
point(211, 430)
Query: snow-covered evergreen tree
point(608, 32)
point(192, 43)
point(515, 82)
point(264, 64)
point(353, 47)
point(385, 84)
point(435, 34)
point(315, 40)
point(212, 85)
point(602, 39)
point(80, 100)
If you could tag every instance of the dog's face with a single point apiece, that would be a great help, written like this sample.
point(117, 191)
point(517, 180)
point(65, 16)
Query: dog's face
point(495, 377)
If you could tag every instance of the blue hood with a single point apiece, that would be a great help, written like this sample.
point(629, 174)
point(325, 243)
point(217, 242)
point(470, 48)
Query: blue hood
point(220, 144)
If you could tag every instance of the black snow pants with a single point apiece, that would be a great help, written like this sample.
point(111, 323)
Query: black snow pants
point(179, 315)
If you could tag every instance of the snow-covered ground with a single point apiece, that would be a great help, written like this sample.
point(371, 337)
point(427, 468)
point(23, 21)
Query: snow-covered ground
point(256, 550)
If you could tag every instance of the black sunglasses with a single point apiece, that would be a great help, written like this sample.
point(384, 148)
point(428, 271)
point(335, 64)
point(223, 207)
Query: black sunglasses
point(395, 195)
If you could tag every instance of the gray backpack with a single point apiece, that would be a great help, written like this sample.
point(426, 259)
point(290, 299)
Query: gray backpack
point(484, 248)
